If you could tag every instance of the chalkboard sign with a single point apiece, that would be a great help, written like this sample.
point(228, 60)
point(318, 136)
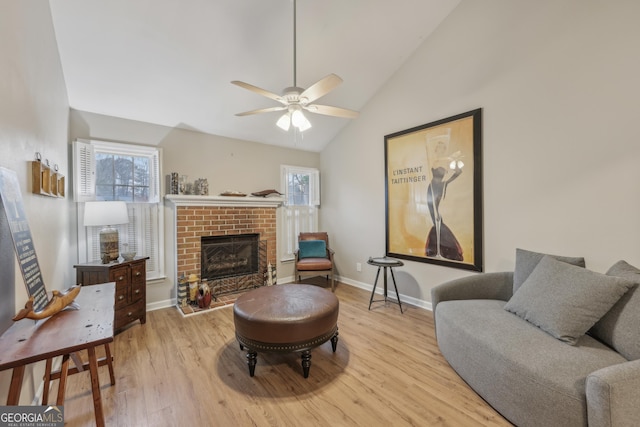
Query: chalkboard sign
point(7, 276)
point(13, 209)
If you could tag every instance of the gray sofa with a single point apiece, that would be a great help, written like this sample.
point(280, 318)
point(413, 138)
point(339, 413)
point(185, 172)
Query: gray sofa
point(513, 360)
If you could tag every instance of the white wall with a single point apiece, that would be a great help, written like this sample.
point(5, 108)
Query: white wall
point(558, 85)
point(228, 164)
point(34, 118)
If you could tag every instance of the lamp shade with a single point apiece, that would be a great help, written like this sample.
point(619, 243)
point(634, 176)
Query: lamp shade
point(105, 213)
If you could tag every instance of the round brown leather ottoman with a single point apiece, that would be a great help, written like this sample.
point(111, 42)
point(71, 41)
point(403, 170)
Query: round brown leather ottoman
point(285, 318)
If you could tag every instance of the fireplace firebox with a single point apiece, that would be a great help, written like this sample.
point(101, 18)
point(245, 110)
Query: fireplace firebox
point(229, 256)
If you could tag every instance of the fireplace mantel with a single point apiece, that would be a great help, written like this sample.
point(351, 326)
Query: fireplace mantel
point(249, 201)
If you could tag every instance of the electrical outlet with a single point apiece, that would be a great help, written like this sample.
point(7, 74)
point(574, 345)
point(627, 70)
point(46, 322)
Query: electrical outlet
point(358, 267)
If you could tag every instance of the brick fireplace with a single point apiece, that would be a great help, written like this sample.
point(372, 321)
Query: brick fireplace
point(201, 216)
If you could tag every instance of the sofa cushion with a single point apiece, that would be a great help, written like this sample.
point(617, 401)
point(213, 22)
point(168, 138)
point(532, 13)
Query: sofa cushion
point(526, 261)
point(565, 300)
point(620, 327)
point(312, 249)
point(528, 376)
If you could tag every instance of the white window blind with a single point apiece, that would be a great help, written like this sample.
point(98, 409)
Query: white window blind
point(300, 211)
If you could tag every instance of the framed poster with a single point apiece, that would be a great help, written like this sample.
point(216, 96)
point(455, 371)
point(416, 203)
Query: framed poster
point(433, 186)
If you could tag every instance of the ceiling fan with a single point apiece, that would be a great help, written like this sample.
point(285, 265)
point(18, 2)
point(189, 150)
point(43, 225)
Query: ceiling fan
point(295, 99)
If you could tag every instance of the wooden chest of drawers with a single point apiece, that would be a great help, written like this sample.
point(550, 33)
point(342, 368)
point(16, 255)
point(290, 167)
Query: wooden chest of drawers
point(131, 287)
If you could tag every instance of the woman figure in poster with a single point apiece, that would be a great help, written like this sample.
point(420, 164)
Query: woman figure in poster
point(443, 169)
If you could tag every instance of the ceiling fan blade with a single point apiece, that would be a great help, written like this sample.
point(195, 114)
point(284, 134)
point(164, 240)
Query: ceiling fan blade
point(328, 110)
point(259, 91)
point(262, 110)
point(320, 88)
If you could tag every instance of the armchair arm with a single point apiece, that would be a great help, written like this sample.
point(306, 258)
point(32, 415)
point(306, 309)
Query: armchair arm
point(613, 394)
point(498, 285)
point(330, 253)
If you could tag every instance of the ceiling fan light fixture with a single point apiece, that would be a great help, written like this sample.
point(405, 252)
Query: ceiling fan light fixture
point(284, 122)
point(306, 124)
point(298, 118)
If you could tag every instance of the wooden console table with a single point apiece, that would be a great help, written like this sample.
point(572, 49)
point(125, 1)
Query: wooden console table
point(63, 334)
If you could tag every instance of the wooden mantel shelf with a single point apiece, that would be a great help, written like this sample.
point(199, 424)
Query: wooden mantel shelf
point(249, 201)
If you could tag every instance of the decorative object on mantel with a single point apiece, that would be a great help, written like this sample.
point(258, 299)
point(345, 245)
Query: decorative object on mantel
point(174, 183)
point(45, 180)
point(59, 301)
point(265, 193)
point(201, 187)
point(233, 194)
point(183, 184)
point(178, 184)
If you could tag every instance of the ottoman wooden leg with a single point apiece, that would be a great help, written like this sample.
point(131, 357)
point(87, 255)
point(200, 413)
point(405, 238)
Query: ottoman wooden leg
point(334, 342)
point(306, 363)
point(252, 357)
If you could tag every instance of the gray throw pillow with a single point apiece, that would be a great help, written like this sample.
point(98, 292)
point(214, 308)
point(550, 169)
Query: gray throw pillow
point(526, 261)
point(565, 300)
point(620, 327)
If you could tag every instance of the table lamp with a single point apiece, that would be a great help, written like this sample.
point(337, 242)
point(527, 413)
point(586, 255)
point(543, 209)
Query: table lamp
point(106, 214)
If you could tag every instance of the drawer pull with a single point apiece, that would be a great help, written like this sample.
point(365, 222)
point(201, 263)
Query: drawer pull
point(121, 297)
point(137, 291)
point(129, 314)
point(120, 278)
point(138, 273)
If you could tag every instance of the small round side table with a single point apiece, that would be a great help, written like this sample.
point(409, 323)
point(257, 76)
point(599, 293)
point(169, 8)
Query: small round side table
point(384, 263)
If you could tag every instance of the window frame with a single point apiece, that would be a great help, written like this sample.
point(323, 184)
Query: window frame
point(84, 166)
point(149, 214)
point(297, 218)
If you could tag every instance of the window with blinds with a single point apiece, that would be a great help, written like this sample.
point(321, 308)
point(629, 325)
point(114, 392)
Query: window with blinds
point(130, 173)
point(300, 211)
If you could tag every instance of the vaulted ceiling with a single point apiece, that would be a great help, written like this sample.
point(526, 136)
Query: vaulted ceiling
point(171, 62)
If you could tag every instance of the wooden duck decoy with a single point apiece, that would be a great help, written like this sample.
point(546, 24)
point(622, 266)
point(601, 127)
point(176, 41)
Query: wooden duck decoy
point(59, 301)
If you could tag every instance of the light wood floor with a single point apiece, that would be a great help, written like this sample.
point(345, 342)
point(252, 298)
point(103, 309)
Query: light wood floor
point(176, 371)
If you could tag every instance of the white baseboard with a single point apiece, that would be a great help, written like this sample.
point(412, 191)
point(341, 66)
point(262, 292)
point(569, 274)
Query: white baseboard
point(161, 304)
point(379, 291)
point(290, 279)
